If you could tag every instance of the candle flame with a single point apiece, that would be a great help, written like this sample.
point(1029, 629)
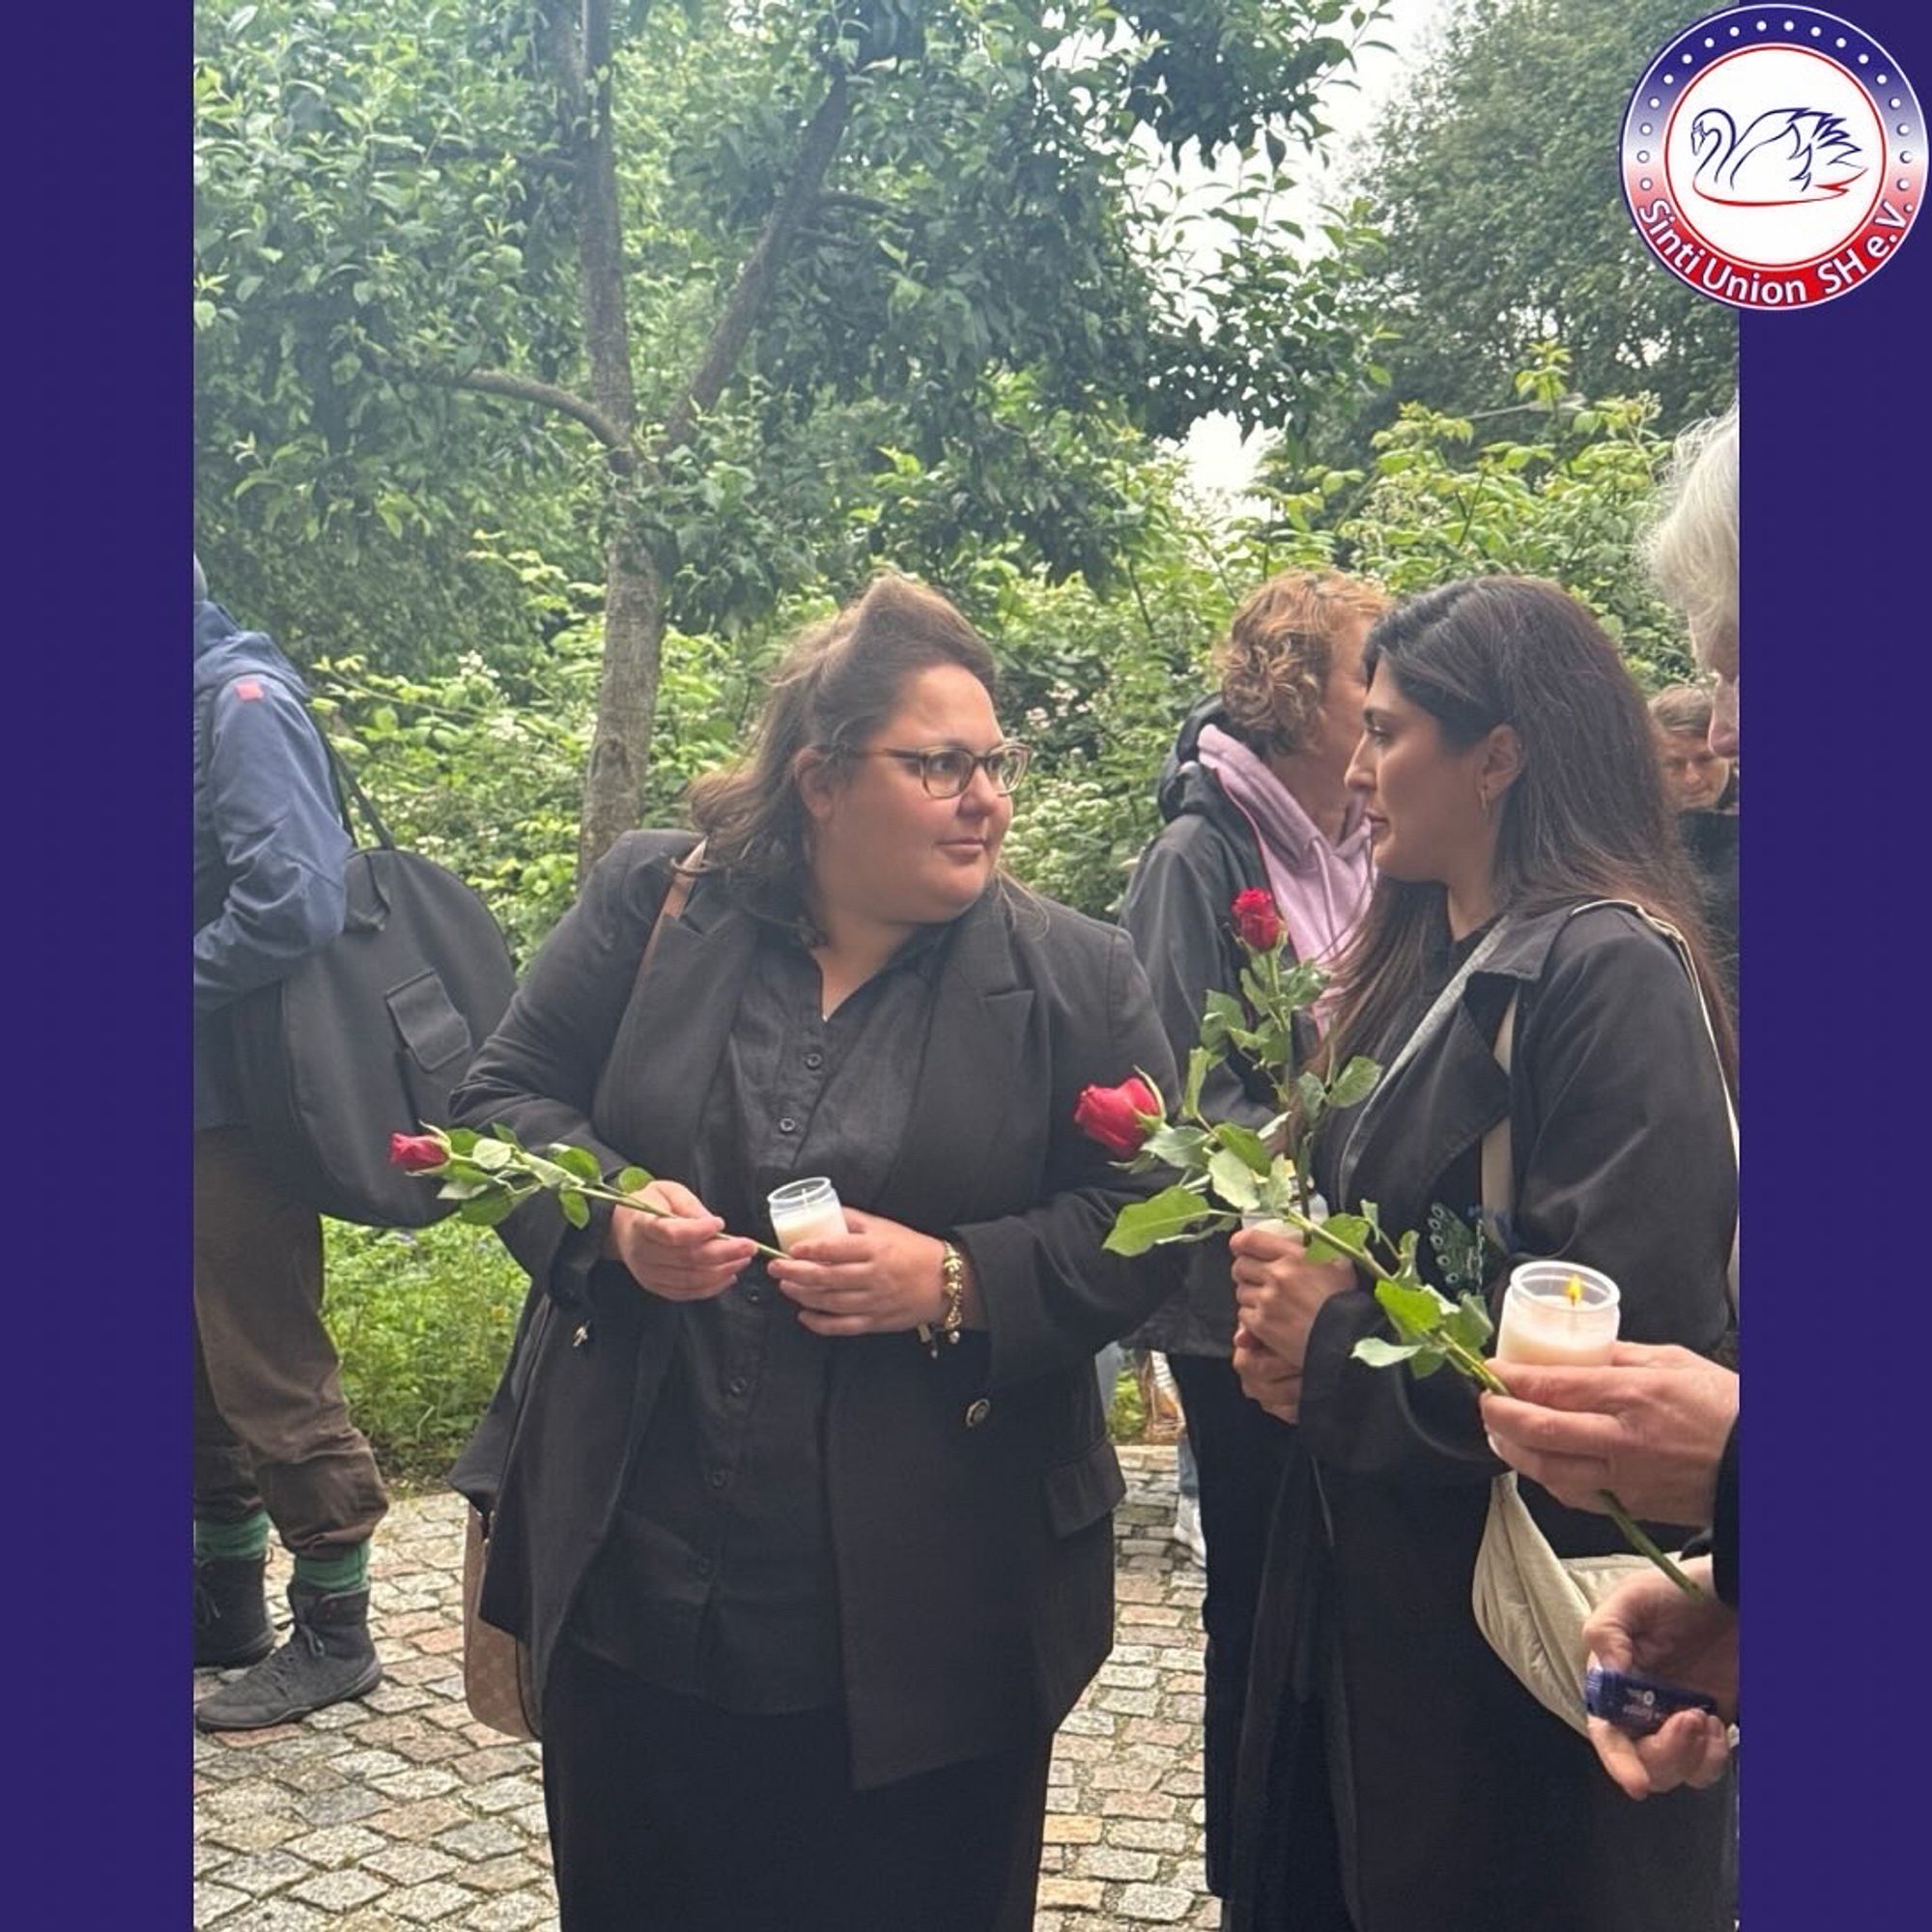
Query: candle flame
point(1572, 1290)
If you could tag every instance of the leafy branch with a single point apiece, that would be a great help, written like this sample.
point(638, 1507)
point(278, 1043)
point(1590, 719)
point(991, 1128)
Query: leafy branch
point(491, 1175)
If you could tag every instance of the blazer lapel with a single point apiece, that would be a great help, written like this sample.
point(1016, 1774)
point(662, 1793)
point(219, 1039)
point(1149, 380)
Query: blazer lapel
point(651, 1098)
point(971, 1098)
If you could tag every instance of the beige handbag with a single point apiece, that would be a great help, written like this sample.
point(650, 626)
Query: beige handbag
point(499, 1684)
point(498, 1680)
point(1531, 1603)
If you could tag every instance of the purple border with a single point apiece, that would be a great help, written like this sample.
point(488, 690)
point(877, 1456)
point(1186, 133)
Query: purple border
point(1834, 432)
point(97, 1355)
point(1836, 455)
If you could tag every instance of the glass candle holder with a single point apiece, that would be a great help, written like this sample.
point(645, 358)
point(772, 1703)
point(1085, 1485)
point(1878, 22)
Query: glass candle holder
point(804, 1210)
point(1557, 1312)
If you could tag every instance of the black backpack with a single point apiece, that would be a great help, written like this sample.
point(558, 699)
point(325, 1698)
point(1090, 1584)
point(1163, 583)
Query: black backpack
point(370, 1034)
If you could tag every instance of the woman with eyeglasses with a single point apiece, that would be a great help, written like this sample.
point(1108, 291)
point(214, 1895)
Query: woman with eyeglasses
point(814, 1553)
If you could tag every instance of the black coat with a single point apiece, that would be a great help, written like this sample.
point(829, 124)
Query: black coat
point(970, 1496)
point(1176, 909)
point(1472, 1809)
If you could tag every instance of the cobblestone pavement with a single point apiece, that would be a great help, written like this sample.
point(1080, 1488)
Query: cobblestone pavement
point(399, 1810)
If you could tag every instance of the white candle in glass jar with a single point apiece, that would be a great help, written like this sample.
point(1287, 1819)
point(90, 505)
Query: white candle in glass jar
point(804, 1210)
point(1558, 1313)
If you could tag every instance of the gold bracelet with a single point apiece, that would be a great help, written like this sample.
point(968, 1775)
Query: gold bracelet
point(953, 1274)
point(952, 1284)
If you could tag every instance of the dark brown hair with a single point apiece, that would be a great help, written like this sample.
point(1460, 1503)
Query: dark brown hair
point(1275, 659)
point(835, 687)
point(1586, 817)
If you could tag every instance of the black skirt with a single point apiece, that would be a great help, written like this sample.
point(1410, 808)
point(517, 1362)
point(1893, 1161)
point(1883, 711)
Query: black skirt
point(671, 1815)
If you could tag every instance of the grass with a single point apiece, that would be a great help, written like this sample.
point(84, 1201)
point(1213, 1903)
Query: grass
point(422, 1321)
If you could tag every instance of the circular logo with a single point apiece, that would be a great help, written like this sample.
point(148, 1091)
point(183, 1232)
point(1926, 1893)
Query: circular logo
point(1774, 156)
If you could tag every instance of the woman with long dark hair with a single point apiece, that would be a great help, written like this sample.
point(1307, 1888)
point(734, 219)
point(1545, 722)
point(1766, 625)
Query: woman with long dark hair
point(1396, 1776)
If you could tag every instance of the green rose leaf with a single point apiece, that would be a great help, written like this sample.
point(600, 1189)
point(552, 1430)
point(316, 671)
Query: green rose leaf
point(1313, 1096)
point(1302, 985)
point(464, 1189)
point(1427, 1361)
point(1381, 1355)
point(632, 1178)
point(1233, 1179)
point(491, 1154)
point(1416, 1311)
point(1168, 1216)
point(1221, 1014)
point(1178, 1147)
point(576, 1210)
point(1200, 1063)
point(1470, 1324)
point(1355, 1082)
point(462, 1140)
point(487, 1209)
point(577, 1160)
point(1246, 1143)
point(1350, 1228)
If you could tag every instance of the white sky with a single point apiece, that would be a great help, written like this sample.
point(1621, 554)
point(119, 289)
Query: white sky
point(1219, 463)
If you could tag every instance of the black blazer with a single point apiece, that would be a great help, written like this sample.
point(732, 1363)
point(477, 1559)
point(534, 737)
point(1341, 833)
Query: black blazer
point(970, 1498)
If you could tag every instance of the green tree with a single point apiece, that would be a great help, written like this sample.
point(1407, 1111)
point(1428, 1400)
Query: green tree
point(1493, 181)
point(643, 262)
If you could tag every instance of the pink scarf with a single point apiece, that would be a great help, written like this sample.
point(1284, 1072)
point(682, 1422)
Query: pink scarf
point(1322, 890)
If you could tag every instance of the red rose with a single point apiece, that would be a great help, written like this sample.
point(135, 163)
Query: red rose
point(416, 1154)
point(1256, 923)
point(1120, 1118)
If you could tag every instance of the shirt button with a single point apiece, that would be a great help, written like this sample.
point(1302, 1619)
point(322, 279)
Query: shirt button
point(814, 1060)
point(702, 1566)
point(754, 1295)
point(738, 1386)
point(978, 1411)
point(787, 1126)
point(719, 1477)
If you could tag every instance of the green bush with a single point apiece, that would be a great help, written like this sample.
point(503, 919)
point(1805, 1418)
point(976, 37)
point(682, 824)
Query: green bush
point(423, 1323)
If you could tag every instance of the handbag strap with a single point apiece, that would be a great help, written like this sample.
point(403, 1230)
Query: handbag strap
point(683, 875)
point(1498, 1186)
point(1419, 1036)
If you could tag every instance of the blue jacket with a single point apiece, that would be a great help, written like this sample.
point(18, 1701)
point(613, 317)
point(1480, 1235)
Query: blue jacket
point(269, 848)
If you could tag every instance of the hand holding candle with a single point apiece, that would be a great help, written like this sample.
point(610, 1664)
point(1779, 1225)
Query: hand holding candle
point(1651, 1424)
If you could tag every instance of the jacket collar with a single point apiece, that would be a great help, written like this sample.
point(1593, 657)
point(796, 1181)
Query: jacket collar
point(1524, 947)
point(677, 1025)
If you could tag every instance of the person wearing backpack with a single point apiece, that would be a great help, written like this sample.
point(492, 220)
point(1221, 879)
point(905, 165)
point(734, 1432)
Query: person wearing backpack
point(273, 1442)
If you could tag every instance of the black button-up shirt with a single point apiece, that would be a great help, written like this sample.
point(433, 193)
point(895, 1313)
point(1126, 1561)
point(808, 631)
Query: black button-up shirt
point(717, 1581)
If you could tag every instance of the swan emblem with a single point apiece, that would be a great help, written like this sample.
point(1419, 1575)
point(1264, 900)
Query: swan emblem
point(1787, 154)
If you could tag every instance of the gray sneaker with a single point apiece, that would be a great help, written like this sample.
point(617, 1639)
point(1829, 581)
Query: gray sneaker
point(327, 1658)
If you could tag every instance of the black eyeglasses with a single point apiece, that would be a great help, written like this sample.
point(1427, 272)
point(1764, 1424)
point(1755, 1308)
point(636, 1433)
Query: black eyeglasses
point(946, 770)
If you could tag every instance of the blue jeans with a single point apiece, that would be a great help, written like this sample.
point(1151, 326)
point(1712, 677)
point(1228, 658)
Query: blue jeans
point(1107, 1366)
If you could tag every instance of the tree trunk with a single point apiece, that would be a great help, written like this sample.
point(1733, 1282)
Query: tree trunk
point(634, 599)
point(627, 692)
point(579, 44)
